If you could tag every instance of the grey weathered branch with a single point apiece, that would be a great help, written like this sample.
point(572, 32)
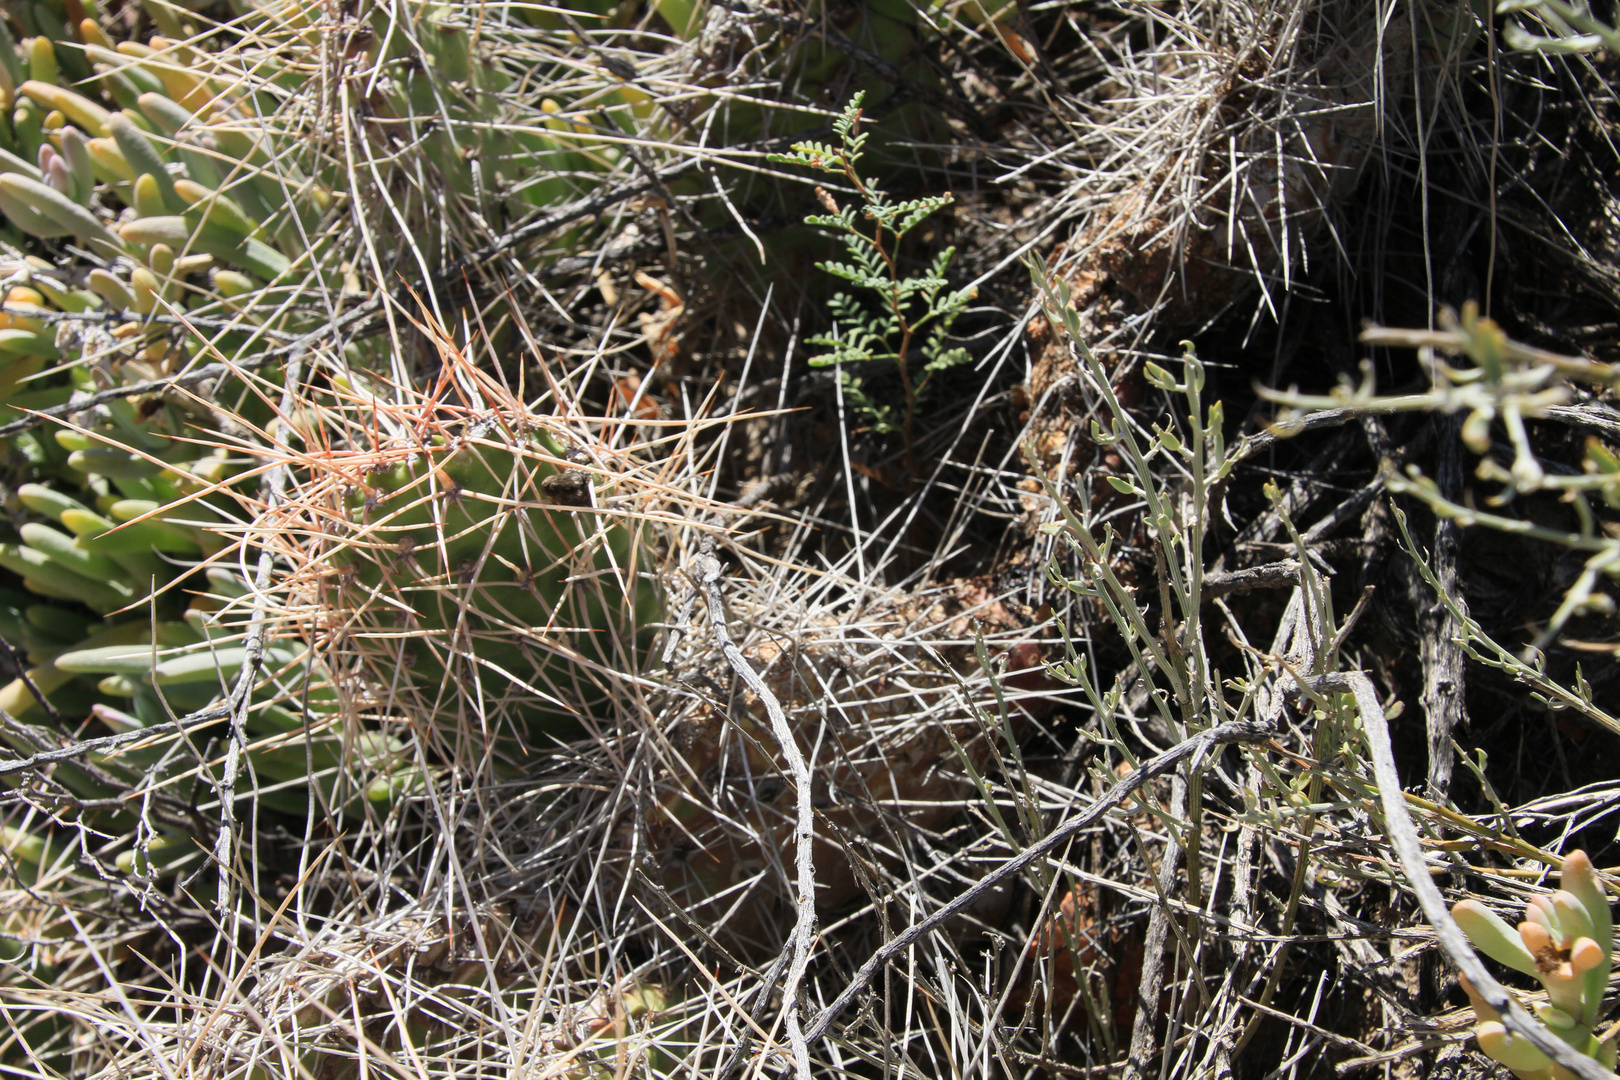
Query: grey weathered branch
point(112, 742)
point(706, 575)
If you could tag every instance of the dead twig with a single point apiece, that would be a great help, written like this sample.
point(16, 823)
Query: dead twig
point(296, 347)
point(110, 742)
point(707, 576)
point(275, 486)
point(108, 317)
point(1277, 575)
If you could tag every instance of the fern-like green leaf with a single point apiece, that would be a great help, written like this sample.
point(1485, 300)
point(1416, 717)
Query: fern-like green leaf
point(844, 220)
point(870, 330)
point(812, 155)
point(916, 211)
point(855, 275)
point(879, 418)
point(948, 359)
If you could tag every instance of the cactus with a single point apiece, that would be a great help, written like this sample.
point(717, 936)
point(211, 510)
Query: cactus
point(491, 576)
point(453, 108)
point(154, 157)
point(1566, 941)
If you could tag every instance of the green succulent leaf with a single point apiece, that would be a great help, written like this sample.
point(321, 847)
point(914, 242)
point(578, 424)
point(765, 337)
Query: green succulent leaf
point(1491, 934)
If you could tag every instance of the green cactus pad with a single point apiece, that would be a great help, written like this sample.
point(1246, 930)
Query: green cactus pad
point(488, 583)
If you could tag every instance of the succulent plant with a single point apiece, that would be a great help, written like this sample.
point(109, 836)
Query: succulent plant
point(1566, 941)
point(109, 552)
point(490, 578)
point(44, 890)
point(155, 162)
point(187, 218)
point(139, 154)
point(136, 673)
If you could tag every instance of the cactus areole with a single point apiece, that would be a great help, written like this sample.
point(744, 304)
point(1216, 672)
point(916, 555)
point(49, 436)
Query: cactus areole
point(491, 586)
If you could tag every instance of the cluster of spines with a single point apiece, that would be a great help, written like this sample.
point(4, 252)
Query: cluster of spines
point(505, 580)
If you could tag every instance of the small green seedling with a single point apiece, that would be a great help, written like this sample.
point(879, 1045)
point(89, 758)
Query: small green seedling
point(1566, 941)
point(913, 314)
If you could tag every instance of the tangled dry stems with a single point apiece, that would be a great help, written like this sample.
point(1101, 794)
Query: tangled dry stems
point(562, 915)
